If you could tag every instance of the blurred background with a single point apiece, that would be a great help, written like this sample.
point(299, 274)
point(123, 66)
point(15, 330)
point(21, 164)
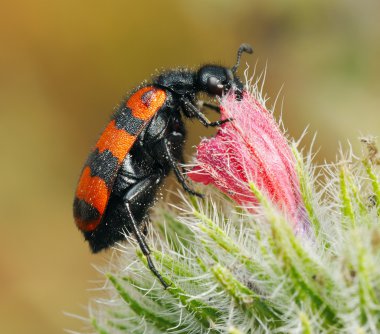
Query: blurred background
point(64, 66)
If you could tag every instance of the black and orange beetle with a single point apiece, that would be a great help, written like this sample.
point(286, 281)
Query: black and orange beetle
point(141, 144)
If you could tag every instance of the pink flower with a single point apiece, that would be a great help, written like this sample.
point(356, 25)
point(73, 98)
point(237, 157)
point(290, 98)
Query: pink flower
point(251, 148)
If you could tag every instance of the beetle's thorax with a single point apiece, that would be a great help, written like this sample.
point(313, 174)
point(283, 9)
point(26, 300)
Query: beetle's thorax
point(179, 81)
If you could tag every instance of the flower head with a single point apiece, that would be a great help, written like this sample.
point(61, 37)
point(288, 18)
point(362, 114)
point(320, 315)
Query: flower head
point(250, 148)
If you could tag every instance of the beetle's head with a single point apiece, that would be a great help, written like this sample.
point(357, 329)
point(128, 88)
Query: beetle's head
point(218, 80)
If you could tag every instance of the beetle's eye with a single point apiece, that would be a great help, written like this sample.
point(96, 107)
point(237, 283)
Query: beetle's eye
point(214, 86)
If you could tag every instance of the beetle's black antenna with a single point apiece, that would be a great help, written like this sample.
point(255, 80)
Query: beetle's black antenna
point(243, 48)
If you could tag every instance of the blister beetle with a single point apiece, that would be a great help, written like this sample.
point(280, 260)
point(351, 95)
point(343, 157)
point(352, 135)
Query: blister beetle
point(141, 144)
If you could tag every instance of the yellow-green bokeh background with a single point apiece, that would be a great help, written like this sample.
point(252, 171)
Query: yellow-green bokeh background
point(64, 65)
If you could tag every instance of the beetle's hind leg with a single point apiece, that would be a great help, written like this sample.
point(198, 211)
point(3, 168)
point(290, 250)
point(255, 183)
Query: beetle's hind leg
point(144, 228)
point(144, 247)
point(142, 192)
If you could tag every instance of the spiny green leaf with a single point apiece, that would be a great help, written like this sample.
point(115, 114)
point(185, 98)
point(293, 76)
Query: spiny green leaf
point(162, 323)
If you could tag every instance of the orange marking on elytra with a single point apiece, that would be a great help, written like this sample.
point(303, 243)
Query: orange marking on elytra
point(146, 109)
point(118, 141)
point(93, 190)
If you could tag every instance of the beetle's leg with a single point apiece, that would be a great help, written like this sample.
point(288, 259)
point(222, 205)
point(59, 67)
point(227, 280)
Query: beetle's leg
point(214, 107)
point(144, 228)
point(174, 164)
point(134, 195)
point(201, 117)
point(144, 247)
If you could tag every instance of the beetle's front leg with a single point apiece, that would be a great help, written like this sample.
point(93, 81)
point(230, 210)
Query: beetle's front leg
point(166, 147)
point(192, 109)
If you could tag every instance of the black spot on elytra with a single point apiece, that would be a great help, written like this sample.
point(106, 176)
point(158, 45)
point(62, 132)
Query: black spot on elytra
point(146, 98)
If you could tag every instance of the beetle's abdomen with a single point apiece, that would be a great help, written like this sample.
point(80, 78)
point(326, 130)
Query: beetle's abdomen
point(101, 168)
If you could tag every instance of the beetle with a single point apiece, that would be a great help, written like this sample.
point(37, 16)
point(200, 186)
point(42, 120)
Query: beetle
point(141, 144)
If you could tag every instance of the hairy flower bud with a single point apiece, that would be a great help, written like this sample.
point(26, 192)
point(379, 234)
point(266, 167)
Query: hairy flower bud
point(251, 148)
